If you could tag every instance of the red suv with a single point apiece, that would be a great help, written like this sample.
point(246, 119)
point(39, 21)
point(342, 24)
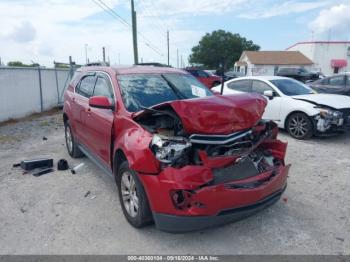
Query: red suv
point(209, 80)
point(181, 156)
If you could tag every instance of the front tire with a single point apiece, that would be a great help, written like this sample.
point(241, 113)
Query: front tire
point(132, 197)
point(300, 126)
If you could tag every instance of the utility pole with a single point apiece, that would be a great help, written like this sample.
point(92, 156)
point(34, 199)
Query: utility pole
point(177, 57)
point(134, 32)
point(86, 56)
point(104, 54)
point(167, 37)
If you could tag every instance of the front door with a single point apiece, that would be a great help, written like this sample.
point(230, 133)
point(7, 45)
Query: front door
point(273, 108)
point(99, 122)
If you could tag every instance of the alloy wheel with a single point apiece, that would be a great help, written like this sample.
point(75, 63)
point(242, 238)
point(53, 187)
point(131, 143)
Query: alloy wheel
point(129, 194)
point(298, 126)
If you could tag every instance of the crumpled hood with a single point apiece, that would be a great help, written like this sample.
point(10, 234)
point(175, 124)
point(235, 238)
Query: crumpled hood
point(218, 114)
point(334, 101)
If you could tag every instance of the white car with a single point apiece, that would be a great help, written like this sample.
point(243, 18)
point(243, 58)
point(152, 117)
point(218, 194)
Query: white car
point(295, 106)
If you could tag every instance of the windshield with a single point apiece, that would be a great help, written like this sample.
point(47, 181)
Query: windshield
point(291, 87)
point(146, 90)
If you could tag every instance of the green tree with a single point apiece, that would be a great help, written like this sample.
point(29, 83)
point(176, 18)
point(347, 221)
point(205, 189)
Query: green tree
point(220, 49)
point(20, 64)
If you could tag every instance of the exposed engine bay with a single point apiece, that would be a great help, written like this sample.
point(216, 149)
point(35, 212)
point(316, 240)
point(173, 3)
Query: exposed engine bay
point(173, 147)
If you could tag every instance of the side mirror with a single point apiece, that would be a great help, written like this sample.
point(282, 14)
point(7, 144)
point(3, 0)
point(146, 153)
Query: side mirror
point(269, 94)
point(102, 102)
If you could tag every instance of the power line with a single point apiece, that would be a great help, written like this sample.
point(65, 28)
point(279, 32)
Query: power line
point(114, 14)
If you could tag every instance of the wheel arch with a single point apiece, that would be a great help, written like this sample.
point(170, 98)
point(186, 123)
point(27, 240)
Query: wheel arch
point(119, 157)
point(290, 114)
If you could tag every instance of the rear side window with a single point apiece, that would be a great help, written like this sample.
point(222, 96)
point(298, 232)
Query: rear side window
point(241, 85)
point(337, 81)
point(193, 72)
point(260, 87)
point(86, 86)
point(103, 87)
point(202, 73)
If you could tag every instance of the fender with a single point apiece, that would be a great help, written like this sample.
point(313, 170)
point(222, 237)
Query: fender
point(134, 141)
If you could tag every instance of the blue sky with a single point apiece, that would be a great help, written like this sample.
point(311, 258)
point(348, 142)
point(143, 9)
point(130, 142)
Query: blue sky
point(48, 30)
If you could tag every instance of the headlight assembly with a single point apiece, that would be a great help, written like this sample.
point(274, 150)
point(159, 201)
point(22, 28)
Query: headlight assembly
point(169, 150)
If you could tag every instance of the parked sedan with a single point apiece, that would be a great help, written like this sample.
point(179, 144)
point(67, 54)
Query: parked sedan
point(337, 84)
point(209, 80)
point(298, 73)
point(295, 106)
point(181, 156)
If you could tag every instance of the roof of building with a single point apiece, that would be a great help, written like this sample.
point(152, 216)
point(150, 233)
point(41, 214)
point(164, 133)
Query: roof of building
point(319, 42)
point(276, 58)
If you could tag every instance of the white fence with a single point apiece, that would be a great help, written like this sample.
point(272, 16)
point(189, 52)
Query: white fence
point(28, 90)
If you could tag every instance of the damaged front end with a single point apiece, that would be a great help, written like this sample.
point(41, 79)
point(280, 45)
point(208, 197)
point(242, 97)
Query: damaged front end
point(212, 174)
point(330, 121)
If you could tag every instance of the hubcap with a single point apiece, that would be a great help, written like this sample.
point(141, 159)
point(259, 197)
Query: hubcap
point(298, 126)
point(129, 194)
point(69, 140)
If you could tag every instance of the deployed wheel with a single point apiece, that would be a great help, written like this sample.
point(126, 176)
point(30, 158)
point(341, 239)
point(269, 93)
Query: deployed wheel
point(132, 197)
point(300, 126)
point(72, 146)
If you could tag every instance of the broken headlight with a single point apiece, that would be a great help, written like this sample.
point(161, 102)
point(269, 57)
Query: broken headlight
point(329, 113)
point(169, 150)
point(327, 118)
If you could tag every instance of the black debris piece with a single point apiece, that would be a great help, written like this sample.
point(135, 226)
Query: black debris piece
point(16, 165)
point(44, 138)
point(87, 194)
point(62, 164)
point(37, 163)
point(43, 171)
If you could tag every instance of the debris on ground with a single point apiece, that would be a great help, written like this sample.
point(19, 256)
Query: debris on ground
point(44, 138)
point(36, 163)
point(43, 171)
point(340, 239)
point(76, 168)
point(62, 165)
point(87, 194)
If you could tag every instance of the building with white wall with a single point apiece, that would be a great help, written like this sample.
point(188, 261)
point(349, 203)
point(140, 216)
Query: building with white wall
point(329, 57)
point(255, 63)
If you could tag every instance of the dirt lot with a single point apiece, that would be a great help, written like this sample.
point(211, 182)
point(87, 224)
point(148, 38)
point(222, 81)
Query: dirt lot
point(51, 215)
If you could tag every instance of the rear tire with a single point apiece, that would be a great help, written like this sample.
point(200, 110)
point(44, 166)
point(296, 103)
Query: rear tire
point(132, 197)
point(72, 146)
point(300, 126)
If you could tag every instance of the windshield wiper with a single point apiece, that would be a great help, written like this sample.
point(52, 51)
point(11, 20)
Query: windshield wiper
point(178, 93)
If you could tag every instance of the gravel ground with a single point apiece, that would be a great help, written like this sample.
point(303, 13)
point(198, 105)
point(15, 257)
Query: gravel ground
point(51, 214)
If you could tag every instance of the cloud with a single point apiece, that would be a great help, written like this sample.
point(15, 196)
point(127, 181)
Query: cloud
point(189, 7)
point(335, 20)
point(23, 33)
point(284, 8)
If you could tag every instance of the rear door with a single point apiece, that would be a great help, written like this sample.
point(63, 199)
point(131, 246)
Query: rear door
point(83, 92)
point(99, 122)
